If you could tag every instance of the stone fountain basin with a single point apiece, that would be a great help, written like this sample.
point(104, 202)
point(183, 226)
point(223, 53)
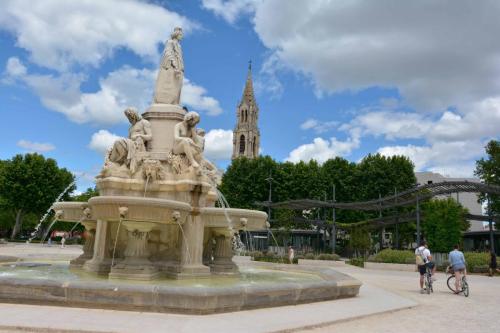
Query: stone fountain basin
point(186, 296)
point(107, 208)
point(156, 210)
point(242, 219)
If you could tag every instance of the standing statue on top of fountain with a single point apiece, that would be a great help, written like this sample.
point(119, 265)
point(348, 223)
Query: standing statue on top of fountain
point(171, 74)
point(186, 139)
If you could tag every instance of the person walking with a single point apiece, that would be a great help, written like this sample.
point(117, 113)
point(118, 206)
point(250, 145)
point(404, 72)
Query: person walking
point(457, 262)
point(291, 254)
point(63, 241)
point(493, 263)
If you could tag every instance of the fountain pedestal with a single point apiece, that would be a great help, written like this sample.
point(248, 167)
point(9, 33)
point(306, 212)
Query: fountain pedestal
point(88, 247)
point(191, 261)
point(223, 254)
point(136, 265)
point(101, 261)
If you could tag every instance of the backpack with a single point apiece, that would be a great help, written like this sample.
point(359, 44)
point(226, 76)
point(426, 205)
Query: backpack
point(419, 259)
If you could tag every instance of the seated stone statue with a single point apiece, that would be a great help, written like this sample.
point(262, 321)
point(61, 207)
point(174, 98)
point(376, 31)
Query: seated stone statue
point(186, 139)
point(124, 150)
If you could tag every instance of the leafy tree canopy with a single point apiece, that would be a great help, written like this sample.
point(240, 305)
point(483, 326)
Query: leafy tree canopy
point(488, 170)
point(244, 182)
point(443, 223)
point(30, 183)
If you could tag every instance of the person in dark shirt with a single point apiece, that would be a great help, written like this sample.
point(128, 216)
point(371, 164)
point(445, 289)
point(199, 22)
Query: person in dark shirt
point(493, 264)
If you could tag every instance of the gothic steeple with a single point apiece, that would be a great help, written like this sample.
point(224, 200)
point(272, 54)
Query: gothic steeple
point(246, 135)
point(248, 95)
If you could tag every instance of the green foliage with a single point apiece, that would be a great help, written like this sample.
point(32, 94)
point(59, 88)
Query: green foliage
point(443, 223)
point(359, 240)
point(274, 258)
point(476, 259)
point(244, 184)
point(85, 196)
point(394, 257)
point(30, 183)
point(488, 170)
point(328, 256)
point(360, 262)
point(310, 256)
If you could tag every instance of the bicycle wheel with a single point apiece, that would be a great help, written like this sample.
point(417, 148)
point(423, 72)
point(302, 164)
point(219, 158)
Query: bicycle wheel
point(428, 285)
point(465, 288)
point(451, 283)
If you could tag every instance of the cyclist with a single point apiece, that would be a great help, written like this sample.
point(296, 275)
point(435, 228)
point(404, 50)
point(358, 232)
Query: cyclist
point(424, 259)
point(457, 263)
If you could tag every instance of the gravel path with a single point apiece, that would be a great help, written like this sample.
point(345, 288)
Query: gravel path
point(438, 312)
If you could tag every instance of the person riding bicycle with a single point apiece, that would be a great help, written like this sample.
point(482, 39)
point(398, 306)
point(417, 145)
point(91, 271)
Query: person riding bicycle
point(457, 263)
point(423, 260)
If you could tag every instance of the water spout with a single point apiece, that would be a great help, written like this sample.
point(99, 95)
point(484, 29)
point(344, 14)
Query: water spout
point(123, 211)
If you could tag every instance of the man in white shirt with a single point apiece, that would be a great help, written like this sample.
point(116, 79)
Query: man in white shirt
point(424, 254)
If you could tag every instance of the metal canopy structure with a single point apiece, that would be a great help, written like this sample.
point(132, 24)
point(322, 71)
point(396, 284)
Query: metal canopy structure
point(405, 198)
point(409, 197)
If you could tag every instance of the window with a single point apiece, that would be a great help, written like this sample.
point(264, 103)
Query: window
point(242, 144)
point(429, 182)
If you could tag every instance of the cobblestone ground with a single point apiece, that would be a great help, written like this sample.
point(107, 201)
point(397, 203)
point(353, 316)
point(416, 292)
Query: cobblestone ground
point(439, 312)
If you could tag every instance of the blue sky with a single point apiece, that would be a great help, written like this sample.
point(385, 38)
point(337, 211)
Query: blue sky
point(332, 78)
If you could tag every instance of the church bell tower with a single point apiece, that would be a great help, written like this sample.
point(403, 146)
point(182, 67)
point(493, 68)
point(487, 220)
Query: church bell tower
point(246, 135)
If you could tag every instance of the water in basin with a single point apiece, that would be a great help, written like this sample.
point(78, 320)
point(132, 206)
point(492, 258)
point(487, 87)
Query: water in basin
point(59, 271)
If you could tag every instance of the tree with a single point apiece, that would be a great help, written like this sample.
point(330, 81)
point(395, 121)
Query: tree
point(443, 223)
point(30, 184)
point(359, 241)
point(488, 170)
point(244, 181)
point(85, 196)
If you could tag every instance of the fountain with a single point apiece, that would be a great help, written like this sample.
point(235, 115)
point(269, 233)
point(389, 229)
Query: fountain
point(155, 221)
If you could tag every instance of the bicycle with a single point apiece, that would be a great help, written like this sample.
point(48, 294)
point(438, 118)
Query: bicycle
point(428, 280)
point(451, 282)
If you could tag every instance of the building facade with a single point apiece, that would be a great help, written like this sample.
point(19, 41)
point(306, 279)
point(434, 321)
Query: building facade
point(468, 200)
point(246, 135)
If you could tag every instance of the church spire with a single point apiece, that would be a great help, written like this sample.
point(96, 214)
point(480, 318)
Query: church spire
point(248, 95)
point(246, 135)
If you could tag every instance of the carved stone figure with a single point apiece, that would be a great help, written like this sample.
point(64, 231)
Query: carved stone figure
point(186, 139)
point(123, 156)
point(169, 82)
point(208, 168)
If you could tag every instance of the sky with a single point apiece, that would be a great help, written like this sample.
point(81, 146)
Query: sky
point(332, 78)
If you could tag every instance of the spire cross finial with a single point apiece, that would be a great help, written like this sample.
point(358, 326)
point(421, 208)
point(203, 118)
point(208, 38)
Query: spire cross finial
point(249, 65)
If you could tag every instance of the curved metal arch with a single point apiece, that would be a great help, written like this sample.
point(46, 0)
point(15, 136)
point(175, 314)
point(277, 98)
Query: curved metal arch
point(405, 198)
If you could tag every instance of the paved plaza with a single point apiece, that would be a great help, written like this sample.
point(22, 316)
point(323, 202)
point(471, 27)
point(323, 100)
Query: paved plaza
point(389, 301)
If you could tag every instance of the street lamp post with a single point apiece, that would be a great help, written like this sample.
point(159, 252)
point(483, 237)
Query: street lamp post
point(490, 219)
point(418, 220)
point(334, 227)
point(269, 200)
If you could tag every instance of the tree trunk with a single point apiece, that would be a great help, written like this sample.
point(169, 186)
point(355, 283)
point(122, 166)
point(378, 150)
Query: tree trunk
point(19, 222)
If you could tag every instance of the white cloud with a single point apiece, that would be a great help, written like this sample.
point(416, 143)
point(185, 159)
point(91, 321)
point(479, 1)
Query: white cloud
point(15, 67)
point(355, 45)
point(322, 150)
point(102, 140)
point(219, 144)
point(120, 89)
point(318, 126)
point(195, 96)
point(35, 146)
point(308, 124)
point(267, 80)
point(448, 158)
point(391, 125)
point(230, 10)
point(59, 34)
